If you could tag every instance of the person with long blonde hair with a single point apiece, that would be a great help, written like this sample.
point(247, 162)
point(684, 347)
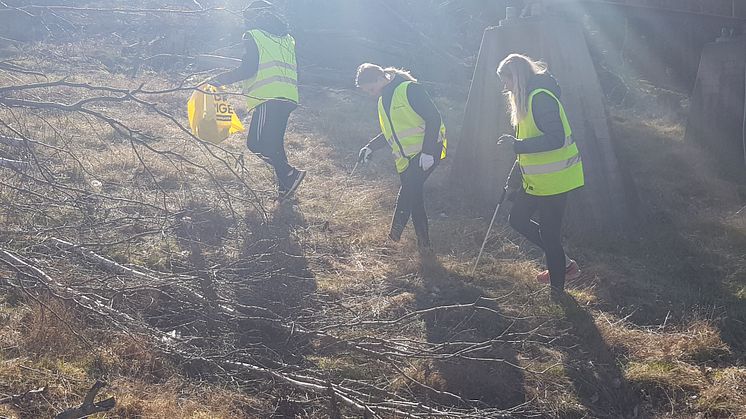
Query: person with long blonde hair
point(548, 162)
point(413, 128)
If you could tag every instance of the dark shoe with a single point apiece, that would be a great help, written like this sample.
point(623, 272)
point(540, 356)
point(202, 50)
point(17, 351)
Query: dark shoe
point(424, 243)
point(557, 295)
point(291, 183)
point(426, 251)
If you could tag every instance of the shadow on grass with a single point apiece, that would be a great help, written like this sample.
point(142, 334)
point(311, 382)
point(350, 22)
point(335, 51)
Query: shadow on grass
point(592, 367)
point(495, 383)
point(275, 276)
point(671, 278)
point(684, 259)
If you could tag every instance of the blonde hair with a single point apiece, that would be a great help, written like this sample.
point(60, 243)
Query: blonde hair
point(369, 73)
point(520, 69)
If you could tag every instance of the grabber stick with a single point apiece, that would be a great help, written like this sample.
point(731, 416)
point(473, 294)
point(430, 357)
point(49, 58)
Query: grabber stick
point(486, 236)
point(341, 195)
point(494, 215)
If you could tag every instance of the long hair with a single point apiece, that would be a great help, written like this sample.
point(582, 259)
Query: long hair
point(520, 69)
point(369, 73)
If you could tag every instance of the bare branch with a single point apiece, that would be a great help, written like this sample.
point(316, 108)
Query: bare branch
point(35, 8)
point(20, 397)
point(89, 406)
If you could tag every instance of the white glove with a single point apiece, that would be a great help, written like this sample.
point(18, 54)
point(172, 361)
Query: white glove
point(426, 161)
point(364, 155)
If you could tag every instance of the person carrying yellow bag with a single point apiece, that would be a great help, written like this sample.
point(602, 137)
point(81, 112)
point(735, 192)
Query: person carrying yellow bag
point(211, 116)
point(270, 75)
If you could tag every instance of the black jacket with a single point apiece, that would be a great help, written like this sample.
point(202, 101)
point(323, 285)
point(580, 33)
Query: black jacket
point(265, 21)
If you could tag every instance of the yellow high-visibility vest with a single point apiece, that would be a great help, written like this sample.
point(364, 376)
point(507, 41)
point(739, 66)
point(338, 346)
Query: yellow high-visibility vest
point(277, 76)
point(550, 172)
point(408, 133)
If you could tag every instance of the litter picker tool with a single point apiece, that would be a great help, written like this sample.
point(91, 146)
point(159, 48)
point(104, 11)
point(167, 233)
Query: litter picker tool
point(503, 194)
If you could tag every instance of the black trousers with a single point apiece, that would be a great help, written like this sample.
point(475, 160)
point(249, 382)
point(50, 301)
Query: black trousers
point(267, 135)
point(547, 232)
point(411, 202)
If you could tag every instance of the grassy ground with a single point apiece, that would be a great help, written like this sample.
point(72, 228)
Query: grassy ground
point(655, 327)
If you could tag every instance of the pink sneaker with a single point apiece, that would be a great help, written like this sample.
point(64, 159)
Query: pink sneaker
point(572, 272)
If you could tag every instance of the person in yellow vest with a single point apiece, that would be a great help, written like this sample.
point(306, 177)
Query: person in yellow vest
point(270, 81)
point(413, 129)
point(548, 162)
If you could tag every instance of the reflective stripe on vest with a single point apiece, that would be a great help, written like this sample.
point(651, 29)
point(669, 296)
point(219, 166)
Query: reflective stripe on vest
point(542, 169)
point(277, 74)
point(550, 172)
point(408, 134)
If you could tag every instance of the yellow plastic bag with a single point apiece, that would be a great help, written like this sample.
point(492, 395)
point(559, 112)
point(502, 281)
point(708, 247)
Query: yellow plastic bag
point(211, 116)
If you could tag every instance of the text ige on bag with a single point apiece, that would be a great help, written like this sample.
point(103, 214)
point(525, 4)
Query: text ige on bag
point(211, 116)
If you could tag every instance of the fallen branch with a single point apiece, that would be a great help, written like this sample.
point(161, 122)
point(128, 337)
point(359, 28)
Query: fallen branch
point(89, 407)
point(13, 164)
point(11, 141)
point(19, 397)
point(359, 396)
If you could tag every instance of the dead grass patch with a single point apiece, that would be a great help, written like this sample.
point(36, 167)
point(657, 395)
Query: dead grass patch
point(424, 372)
point(698, 341)
point(50, 328)
point(725, 396)
point(346, 366)
point(174, 399)
point(666, 385)
point(131, 357)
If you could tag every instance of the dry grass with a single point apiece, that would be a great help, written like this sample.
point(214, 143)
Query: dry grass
point(697, 341)
point(644, 319)
point(48, 328)
point(366, 274)
point(724, 395)
point(177, 400)
point(666, 385)
point(38, 351)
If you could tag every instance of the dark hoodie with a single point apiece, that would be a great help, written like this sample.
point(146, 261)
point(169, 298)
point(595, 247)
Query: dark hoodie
point(268, 22)
point(265, 21)
point(546, 115)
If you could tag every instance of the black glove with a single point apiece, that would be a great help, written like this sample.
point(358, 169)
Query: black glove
point(512, 194)
point(506, 139)
point(515, 182)
point(515, 178)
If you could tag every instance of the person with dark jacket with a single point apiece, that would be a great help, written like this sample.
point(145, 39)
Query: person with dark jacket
point(270, 75)
point(412, 127)
point(548, 164)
